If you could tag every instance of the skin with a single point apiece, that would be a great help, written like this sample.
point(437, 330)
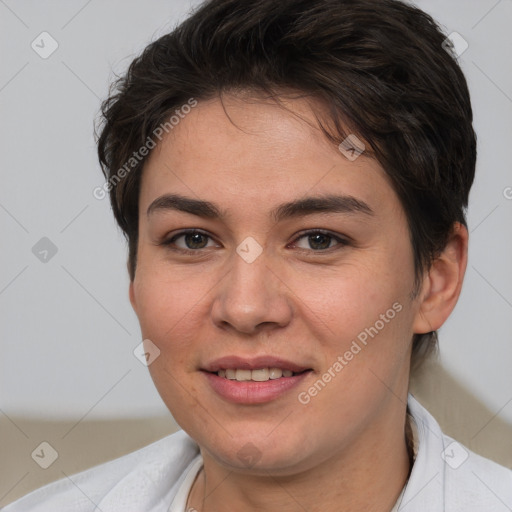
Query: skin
point(345, 449)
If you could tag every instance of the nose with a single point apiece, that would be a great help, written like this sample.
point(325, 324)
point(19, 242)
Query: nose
point(251, 297)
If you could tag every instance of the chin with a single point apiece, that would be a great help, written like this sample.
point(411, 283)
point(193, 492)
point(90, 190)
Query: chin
point(258, 454)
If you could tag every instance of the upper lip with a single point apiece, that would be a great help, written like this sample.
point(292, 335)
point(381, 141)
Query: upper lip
point(256, 363)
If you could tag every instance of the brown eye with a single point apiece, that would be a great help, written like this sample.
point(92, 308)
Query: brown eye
point(195, 240)
point(319, 241)
point(191, 240)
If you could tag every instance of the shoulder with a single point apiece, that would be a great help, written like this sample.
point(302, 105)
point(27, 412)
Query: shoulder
point(474, 482)
point(451, 476)
point(138, 479)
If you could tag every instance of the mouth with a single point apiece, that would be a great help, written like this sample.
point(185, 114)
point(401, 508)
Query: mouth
point(257, 375)
point(259, 365)
point(254, 381)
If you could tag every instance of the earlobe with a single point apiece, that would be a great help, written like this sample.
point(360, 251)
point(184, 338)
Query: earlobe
point(443, 283)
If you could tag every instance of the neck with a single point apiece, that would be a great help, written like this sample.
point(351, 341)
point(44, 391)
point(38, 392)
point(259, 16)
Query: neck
point(367, 475)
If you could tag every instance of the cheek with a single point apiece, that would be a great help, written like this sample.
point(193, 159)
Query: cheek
point(169, 310)
point(354, 296)
point(364, 324)
point(168, 305)
point(364, 312)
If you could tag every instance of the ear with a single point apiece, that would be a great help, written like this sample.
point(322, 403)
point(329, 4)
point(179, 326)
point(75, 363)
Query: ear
point(131, 292)
point(443, 282)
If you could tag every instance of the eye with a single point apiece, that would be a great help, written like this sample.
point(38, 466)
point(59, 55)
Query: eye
point(192, 240)
point(319, 241)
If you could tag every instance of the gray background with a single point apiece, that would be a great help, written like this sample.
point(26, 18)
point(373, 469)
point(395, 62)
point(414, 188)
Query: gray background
point(67, 330)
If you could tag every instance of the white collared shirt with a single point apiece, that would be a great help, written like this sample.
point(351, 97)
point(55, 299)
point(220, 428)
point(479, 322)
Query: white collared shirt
point(179, 503)
point(445, 477)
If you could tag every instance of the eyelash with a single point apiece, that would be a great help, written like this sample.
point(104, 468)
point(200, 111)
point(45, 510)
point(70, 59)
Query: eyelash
point(341, 241)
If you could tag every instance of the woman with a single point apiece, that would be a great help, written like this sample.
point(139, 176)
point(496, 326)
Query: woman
point(292, 180)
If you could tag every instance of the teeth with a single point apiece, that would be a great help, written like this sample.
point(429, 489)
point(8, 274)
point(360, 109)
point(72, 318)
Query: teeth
point(243, 374)
point(275, 373)
point(259, 375)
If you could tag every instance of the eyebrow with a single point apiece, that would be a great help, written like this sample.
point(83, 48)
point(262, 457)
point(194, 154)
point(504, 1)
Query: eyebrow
point(299, 208)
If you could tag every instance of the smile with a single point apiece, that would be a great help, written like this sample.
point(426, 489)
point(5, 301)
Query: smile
point(247, 387)
point(259, 375)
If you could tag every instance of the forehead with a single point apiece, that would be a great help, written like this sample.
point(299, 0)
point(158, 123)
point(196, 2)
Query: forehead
point(251, 152)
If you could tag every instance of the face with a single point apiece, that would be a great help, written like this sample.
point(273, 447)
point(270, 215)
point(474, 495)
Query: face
point(320, 287)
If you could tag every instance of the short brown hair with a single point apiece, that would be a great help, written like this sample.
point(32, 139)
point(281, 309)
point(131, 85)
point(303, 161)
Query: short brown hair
point(382, 68)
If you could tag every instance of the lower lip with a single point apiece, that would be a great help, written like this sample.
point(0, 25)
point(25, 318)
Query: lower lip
point(251, 392)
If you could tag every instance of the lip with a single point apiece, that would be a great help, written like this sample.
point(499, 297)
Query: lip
point(234, 362)
point(251, 392)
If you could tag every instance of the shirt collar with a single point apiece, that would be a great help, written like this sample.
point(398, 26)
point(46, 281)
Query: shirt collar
point(424, 492)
